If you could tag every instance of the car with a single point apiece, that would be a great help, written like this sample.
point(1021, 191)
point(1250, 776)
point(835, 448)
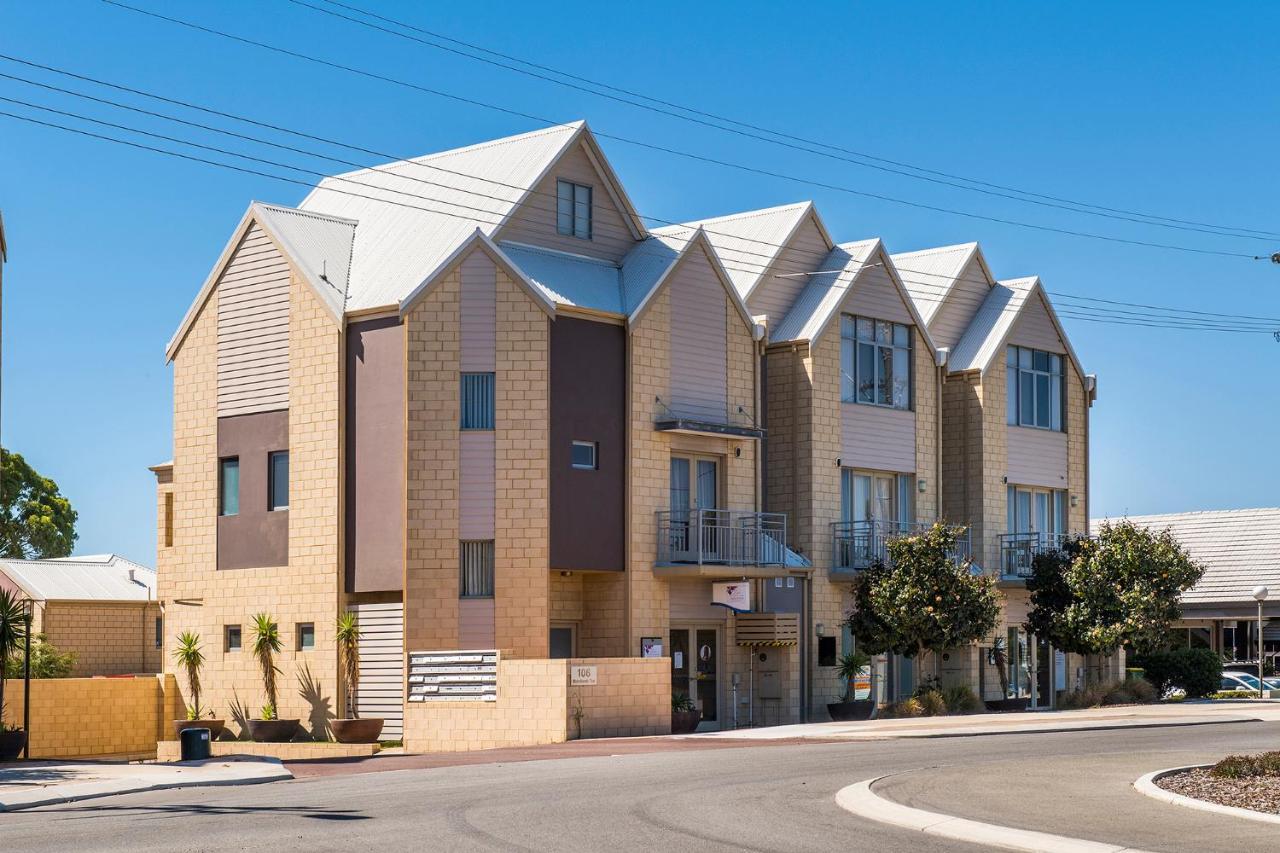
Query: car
point(1247, 681)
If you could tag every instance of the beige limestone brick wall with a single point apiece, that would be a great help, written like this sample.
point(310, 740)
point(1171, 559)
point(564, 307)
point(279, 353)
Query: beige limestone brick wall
point(926, 405)
point(830, 600)
point(107, 638)
point(521, 513)
point(603, 630)
point(431, 566)
point(993, 506)
point(1077, 451)
point(631, 698)
point(199, 597)
point(566, 596)
point(94, 717)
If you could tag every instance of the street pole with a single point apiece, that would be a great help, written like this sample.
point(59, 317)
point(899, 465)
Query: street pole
point(26, 682)
point(1260, 594)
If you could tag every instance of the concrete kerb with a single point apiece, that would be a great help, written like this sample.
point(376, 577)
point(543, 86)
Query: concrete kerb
point(860, 800)
point(138, 778)
point(1147, 785)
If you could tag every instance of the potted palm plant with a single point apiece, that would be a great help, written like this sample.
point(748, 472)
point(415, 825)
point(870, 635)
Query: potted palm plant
point(998, 657)
point(352, 729)
point(847, 707)
point(685, 716)
point(190, 658)
point(13, 630)
point(266, 645)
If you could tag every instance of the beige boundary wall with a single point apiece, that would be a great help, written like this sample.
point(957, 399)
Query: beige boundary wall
point(96, 717)
point(536, 704)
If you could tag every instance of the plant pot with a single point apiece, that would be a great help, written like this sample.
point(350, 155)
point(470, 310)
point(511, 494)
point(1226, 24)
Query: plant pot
point(214, 726)
point(854, 709)
point(684, 722)
point(273, 731)
point(1008, 704)
point(363, 730)
point(11, 743)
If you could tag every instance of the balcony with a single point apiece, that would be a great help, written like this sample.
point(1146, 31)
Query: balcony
point(859, 544)
point(1018, 551)
point(745, 540)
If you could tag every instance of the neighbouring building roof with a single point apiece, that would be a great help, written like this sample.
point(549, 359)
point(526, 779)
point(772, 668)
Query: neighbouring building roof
point(319, 245)
point(990, 327)
point(930, 274)
point(96, 577)
point(1240, 549)
point(825, 292)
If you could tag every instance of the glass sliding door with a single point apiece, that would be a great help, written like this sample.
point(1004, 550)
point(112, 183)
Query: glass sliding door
point(695, 496)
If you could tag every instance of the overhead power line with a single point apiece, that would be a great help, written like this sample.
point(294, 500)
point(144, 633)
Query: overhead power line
point(676, 152)
point(775, 137)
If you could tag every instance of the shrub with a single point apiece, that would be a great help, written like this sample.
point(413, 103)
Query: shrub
point(1196, 671)
point(1142, 691)
point(681, 702)
point(961, 699)
point(1234, 694)
point(46, 661)
point(1248, 766)
point(1116, 694)
point(909, 707)
point(933, 704)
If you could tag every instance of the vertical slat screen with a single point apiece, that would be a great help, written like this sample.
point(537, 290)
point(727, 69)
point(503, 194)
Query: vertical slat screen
point(477, 400)
point(476, 579)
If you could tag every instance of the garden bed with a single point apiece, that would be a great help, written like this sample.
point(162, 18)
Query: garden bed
point(1251, 789)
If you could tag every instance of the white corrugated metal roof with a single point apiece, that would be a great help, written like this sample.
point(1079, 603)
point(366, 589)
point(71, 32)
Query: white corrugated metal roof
point(990, 327)
point(748, 242)
point(1240, 549)
point(824, 293)
point(397, 245)
point(929, 274)
point(319, 245)
point(570, 279)
point(98, 577)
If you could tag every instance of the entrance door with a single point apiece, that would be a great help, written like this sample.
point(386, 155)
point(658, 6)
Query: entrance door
point(695, 656)
point(695, 492)
point(1043, 665)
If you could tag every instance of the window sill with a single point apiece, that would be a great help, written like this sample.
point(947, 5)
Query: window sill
point(877, 405)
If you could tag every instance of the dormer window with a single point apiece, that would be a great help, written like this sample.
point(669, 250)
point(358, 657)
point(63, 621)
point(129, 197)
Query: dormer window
point(1035, 388)
point(573, 210)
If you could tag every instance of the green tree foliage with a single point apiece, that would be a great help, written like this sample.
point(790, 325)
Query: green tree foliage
point(47, 661)
point(922, 600)
point(1198, 672)
point(266, 645)
point(36, 521)
point(13, 632)
point(1123, 586)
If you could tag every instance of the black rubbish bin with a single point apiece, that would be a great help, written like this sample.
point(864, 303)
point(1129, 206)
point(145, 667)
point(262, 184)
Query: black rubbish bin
point(195, 744)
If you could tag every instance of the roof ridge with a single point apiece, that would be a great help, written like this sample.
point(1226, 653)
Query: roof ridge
point(339, 220)
point(745, 214)
point(936, 249)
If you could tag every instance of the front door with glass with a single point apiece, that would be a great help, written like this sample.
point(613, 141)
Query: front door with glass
point(695, 656)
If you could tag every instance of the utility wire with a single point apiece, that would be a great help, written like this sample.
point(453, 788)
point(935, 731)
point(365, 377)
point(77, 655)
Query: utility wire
point(754, 132)
point(678, 153)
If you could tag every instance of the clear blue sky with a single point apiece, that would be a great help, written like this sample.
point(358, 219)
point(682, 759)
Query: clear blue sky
point(1167, 108)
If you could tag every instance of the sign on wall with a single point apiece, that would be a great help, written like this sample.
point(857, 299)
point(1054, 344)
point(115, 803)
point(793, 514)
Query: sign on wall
point(735, 595)
point(650, 647)
point(582, 676)
point(470, 676)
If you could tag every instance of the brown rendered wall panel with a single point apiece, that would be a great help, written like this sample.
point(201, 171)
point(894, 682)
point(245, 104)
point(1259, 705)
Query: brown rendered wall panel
point(375, 456)
point(254, 537)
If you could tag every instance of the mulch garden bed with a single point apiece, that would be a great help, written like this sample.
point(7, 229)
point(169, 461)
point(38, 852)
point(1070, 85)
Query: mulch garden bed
point(1259, 793)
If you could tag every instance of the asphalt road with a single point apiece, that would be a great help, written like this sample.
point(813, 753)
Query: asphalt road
point(766, 798)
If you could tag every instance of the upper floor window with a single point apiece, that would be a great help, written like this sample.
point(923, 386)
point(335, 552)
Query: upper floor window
point(475, 576)
point(573, 209)
point(278, 480)
point(229, 486)
point(1035, 388)
point(584, 455)
point(477, 401)
point(875, 362)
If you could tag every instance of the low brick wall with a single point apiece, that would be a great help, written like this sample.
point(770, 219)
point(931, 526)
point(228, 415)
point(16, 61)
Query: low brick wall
point(172, 750)
point(93, 717)
point(535, 705)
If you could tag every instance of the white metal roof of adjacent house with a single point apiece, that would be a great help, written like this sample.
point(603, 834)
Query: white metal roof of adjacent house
point(1240, 549)
point(97, 577)
point(825, 292)
point(319, 245)
point(930, 274)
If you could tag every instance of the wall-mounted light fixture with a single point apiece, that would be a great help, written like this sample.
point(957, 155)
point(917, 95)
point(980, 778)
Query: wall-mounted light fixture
point(821, 629)
point(737, 452)
point(922, 485)
point(1075, 500)
point(838, 460)
point(1004, 480)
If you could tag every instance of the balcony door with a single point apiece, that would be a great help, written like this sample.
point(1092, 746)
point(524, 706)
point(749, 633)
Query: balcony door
point(1039, 511)
point(873, 506)
point(695, 493)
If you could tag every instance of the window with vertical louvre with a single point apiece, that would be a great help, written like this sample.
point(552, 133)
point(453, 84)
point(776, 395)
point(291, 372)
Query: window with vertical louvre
point(476, 569)
point(477, 400)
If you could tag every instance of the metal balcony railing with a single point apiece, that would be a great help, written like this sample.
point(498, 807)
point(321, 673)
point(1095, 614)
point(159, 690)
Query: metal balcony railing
point(1018, 551)
point(724, 537)
point(858, 544)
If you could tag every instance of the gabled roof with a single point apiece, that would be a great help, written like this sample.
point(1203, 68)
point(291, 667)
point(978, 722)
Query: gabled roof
point(990, 328)
point(748, 243)
point(649, 266)
point(575, 281)
point(822, 297)
point(1240, 549)
point(483, 242)
point(439, 200)
point(317, 246)
point(930, 275)
point(100, 577)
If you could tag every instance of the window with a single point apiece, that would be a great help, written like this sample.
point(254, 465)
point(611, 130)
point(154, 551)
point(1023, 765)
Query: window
point(1042, 511)
point(477, 401)
point(1035, 388)
point(585, 455)
point(229, 486)
point(159, 632)
point(231, 638)
point(306, 633)
point(561, 641)
point(168, 519)
point(875, 362)
point(827, 651)
point(573, 210)
point(867, 496)
point(476, 565)
point(278, 480)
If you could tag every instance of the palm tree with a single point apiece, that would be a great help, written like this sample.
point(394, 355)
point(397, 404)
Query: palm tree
point(190, 657)
point(348, 637)
point(13, 630)
point(267, 644)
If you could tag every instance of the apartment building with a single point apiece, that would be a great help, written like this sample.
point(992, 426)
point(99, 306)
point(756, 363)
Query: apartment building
point(563, 465)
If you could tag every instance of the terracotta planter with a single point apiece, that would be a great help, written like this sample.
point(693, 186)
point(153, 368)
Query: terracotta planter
point(363, 730)
point(855, 709)
point(214, 726)
point(1008, 704)
point(684, 722)
point(11, 743)
point(273, 731)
